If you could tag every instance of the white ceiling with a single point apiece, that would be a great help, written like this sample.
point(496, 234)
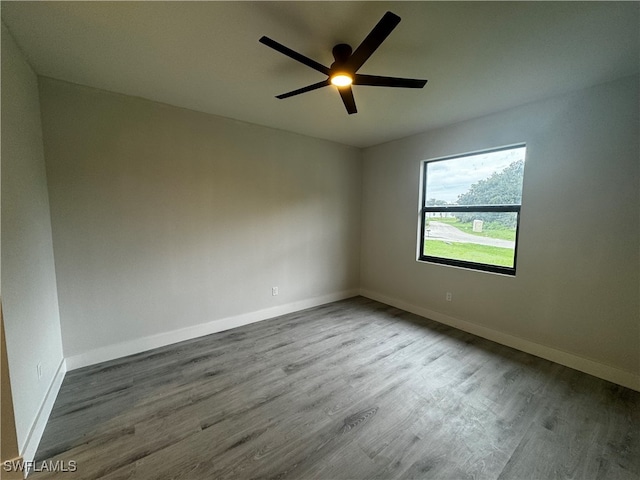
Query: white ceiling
point(479, 57)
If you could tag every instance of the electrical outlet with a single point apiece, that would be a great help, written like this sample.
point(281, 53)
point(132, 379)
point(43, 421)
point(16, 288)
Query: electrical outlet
point(448, 296)
point(39, 370)
point(274, 291)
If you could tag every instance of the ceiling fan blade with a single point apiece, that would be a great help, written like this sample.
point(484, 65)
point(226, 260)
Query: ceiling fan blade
point(295, 55)
point(377, 81)
point(308, 88)
point(347, 98)
point(370, 44)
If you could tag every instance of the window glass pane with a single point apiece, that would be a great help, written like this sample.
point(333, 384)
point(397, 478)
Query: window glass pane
point(489, 178)
point(479, 237)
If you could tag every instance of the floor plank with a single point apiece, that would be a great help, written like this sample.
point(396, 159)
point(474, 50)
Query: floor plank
point(352, 389)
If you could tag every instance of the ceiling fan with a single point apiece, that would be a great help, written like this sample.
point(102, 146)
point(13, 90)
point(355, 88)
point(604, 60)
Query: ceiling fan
point(343, 71)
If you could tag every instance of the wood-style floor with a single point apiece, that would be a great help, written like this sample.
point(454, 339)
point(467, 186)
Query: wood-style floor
point(354, 389)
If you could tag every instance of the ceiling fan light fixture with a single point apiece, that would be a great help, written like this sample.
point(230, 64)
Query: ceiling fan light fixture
point(341, 79)
point(343, 71)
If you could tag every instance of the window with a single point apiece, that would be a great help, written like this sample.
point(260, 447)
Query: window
point(470, 209)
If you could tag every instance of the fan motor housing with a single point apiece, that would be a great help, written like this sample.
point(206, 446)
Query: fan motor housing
point(341, 54)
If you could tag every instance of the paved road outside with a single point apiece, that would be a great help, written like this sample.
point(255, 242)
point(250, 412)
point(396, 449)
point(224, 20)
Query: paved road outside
point(448, 233)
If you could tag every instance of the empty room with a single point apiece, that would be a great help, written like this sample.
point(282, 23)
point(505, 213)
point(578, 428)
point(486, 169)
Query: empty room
point(320, 240)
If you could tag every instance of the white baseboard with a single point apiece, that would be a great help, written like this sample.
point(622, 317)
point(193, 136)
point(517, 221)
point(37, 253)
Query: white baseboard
point(138, 345)
point(597, 369)
point(30, 446)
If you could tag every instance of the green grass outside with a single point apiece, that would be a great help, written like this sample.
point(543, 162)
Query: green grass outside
point(470, 252)
point(491, 230)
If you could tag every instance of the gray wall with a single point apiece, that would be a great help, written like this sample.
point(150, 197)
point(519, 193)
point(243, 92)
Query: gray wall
point(29, 294)
point(165, 218)
point(577, 284)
